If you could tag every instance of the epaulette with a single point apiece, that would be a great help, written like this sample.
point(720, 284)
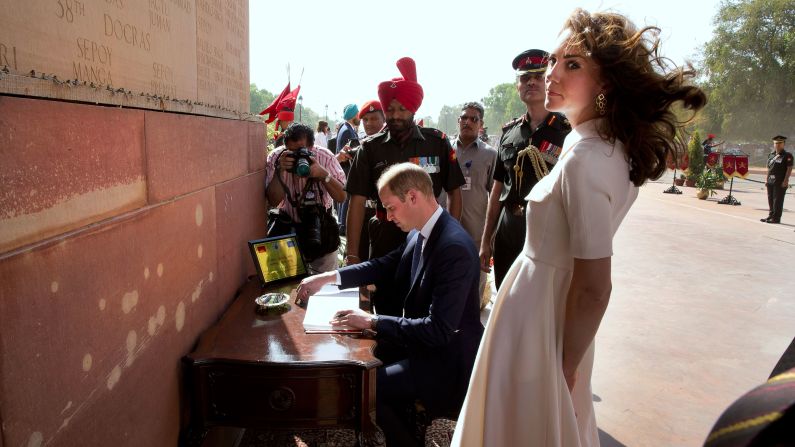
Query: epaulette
point(433, 132)
point(559, 121)
point(369, 137)
point(372, 137)
point(511, 123)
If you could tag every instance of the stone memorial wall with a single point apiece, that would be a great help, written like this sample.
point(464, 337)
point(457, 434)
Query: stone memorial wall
point(123, 227)
point(192, 50)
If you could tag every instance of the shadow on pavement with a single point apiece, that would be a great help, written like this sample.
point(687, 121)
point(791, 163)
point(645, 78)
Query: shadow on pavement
point(605, 440)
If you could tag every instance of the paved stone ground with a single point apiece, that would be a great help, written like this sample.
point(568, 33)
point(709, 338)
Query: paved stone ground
point(702, 308)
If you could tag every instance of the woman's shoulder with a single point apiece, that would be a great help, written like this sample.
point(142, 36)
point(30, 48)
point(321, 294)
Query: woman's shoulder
point(598, 150)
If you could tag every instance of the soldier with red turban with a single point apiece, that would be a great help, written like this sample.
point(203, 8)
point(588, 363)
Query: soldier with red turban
point(400, 141)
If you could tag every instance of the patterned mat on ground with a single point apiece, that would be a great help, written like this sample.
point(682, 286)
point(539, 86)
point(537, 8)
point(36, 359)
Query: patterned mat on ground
point(438, 434)
point(306, 438)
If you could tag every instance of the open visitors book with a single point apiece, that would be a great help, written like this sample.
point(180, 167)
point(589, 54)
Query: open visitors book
point(323, 305)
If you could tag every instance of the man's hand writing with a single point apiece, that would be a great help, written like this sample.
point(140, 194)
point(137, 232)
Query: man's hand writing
point(355, 318)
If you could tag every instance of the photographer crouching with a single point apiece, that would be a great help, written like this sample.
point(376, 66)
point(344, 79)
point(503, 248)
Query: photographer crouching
point(309, 180)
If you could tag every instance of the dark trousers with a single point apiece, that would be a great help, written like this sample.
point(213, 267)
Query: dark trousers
point(342, 213)
point(508, 243)
point(364, 236)
point(775, 200)
point(394, 395)
point(342, 207)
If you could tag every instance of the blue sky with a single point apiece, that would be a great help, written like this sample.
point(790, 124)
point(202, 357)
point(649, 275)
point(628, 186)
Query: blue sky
point(462, 49)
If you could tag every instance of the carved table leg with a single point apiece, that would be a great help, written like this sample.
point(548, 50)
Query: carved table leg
point(369, 434)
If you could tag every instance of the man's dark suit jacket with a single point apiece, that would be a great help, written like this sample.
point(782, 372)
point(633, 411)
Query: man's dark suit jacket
point(441, 327)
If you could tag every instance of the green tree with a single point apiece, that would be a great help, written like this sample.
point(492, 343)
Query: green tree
point(427, 121)
point(696, 155)
point(448, 119)
point(259, 99)
point(749, 70)
point(502, 105)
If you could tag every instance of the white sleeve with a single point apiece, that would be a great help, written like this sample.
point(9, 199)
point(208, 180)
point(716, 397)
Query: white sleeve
point(587, 204)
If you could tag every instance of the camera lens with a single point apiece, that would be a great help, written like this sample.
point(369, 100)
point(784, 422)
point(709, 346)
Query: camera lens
point(302, 167)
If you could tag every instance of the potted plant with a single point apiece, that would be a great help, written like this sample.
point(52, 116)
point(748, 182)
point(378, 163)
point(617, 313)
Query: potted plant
point(690, 180)
point(718, 171)
point(706, 183)
point(679, 181)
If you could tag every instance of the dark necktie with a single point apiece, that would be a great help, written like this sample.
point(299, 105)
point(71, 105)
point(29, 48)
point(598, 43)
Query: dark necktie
point(416, 256)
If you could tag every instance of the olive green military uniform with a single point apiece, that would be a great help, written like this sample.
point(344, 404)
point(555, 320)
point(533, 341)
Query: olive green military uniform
point(517, 169)
point(426, 147)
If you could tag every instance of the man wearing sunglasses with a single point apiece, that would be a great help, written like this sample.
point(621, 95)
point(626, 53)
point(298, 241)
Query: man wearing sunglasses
point(476, 159)
point(529, 147)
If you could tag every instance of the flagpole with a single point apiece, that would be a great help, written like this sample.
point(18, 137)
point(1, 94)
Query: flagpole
point(730, 200)
point(673, 189)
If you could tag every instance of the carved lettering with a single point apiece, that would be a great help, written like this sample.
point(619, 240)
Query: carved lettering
point(117, 3)
point(233, 50)
point(67, 9)
point(93, 52)
point(211, 8)
point(163, 72)
point(127, 33)
point(184, 5)
point(203, 25)
point(159, 22)
point(158, 6)
point(5, 53)
point(162, 88)
point(91, 73)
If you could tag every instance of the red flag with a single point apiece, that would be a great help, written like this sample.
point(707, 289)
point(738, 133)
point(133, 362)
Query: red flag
point(729, 165)
point(742, 166)
point(712, 159)
point(288, 102)
point(273, 108)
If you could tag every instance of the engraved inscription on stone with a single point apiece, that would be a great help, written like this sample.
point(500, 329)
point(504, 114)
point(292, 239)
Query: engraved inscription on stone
point(92, 62)
point(181, 49)
point(222, 52)
point(8, 56)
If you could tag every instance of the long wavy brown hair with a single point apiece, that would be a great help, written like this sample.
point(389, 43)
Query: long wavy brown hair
point(643, 89)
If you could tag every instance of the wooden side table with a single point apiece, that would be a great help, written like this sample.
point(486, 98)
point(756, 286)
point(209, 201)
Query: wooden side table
point(262, 371)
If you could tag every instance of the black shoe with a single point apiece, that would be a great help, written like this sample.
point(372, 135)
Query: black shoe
point(764, 219)
point(773, 221)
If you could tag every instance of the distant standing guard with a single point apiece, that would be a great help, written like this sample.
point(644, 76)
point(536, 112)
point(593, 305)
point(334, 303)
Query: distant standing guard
point(529, 147)
point(476, 159)
point(779, 168)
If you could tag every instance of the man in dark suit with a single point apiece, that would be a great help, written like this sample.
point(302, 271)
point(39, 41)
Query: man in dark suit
point(436, 270)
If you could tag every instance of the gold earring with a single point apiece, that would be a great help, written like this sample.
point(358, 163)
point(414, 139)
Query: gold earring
point(601, 104)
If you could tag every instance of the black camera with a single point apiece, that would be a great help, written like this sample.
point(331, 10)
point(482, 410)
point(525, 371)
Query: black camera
point(303, 159)
point(309, 212)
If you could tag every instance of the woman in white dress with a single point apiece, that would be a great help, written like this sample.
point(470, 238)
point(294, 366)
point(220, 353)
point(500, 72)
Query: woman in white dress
point(531, 382)
point(321, 135)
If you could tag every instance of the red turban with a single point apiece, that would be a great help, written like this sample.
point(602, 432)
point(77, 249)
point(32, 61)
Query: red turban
point(405, 90)
point(285, 115)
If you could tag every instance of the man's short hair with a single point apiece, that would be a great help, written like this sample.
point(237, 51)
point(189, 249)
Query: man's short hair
point(476, 106)
point(296, 131)
point(402, 177)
